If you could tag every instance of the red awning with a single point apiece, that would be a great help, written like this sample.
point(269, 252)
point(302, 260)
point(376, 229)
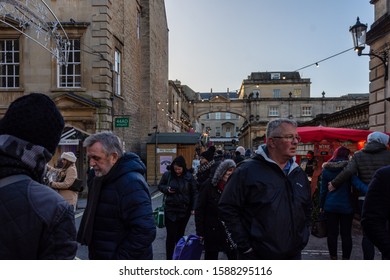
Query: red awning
point(311, 134)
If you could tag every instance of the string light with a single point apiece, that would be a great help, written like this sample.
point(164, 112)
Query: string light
point(317, 63)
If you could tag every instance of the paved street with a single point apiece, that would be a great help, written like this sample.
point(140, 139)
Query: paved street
point(315, 250)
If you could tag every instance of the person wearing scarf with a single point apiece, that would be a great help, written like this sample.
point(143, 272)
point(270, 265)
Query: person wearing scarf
point(36, 222)
point(118, 220)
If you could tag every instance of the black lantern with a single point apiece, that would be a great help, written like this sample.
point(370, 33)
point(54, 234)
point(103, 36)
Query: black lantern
point(358, 32)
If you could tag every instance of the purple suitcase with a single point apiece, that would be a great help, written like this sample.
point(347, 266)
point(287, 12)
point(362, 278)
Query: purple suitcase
point(188, 248)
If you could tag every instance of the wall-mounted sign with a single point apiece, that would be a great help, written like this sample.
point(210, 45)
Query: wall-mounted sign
point(122, 122)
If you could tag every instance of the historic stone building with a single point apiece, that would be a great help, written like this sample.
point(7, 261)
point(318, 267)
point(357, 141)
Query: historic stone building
point(378, 38)
point(116, 74)
point(264, 96)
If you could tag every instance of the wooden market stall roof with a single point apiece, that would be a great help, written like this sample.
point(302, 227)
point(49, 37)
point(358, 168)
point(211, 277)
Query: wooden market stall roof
point(174, 138)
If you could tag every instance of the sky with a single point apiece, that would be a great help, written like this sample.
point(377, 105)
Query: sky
point(216, 44)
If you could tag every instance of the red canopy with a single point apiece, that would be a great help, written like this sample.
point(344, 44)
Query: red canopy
point(310, 134)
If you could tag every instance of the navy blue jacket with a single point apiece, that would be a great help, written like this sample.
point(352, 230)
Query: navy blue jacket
point(124, 225)
point(339, 200)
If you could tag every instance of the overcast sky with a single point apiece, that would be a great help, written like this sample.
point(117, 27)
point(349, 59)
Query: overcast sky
point(218, 43)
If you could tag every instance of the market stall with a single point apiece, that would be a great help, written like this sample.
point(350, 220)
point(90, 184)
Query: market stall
point(323, 141)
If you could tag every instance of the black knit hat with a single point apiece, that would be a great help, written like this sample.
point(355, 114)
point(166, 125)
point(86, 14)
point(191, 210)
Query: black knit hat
point(34, 118)
point(209, 154)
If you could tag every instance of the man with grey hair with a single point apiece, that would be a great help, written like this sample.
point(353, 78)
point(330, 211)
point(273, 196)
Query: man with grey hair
point(118, 222)
point(266, 204)
point(364, 163)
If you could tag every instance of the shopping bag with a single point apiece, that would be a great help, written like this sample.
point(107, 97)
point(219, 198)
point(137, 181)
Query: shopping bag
point(188, 248)
point(159, 217)
point(318, 228)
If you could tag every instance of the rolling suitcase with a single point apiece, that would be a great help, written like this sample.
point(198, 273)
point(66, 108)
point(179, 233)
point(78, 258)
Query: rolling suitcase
point(188, 248)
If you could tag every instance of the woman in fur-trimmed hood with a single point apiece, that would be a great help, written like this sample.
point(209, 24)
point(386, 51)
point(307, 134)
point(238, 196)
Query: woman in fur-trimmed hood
point(208, 225)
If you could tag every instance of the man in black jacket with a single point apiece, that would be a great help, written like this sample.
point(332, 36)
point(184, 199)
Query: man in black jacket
point(118, 220)
point(36, 222)
point(266, 203)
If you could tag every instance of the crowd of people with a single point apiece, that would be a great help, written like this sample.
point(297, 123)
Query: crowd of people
point(246, 205)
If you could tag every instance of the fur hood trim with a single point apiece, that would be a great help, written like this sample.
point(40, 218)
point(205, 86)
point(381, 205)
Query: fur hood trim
point(221, 170)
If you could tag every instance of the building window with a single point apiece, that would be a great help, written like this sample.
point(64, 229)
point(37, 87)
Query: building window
point(10, 64)
point(228, 133)
point(306, 111)
point(273, 111)
point(228, 116)
point(275, 76)
point(218, 115)
point(118, 71)
point(276, 93)
point(297, 92)
point(339, 108)
point(208, 116)
point(218, 131)
point(69, 76)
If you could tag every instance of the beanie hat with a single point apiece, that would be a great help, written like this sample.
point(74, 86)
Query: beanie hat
point(209, 154)
point(379, 137)
point(241, 150)
point(69, 156)
point(34, 118)
point(221, 170)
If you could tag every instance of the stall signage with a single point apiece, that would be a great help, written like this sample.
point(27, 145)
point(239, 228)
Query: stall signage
point(166, 151)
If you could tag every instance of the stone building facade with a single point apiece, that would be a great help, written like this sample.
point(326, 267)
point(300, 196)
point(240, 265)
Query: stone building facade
point(378, 38)
point(264, 96)
point(117, 72)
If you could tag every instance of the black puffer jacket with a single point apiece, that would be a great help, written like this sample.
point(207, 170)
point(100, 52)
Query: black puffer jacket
point(36, 223)
point(124, 226)
point(182, 202)
point(265, 209)
point(364, 163)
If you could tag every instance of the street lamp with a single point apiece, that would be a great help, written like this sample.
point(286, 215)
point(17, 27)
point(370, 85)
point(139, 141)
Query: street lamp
point(358, 32)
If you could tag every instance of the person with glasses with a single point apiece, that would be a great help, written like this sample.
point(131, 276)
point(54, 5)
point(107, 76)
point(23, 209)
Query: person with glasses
point(266, 204)
point(118, 221)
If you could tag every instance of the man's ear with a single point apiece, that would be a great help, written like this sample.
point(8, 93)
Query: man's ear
point(271, 142)
point(115, 157)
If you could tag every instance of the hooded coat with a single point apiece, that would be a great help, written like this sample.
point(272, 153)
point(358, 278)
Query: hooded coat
point(207, 220)
point(266, 209)
point(179, 204)
point(339, 200)
point(123, 225)
point(364, 163)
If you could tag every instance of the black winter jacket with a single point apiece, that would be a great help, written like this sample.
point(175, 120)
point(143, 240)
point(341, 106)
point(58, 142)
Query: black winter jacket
point(207, 221)
point(36, 223)
point(266, 210)
point(376, 211)
point(364, 163)
point(182, 202)
point(124, 226)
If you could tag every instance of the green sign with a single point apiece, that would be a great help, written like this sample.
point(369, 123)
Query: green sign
point(122, 122)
